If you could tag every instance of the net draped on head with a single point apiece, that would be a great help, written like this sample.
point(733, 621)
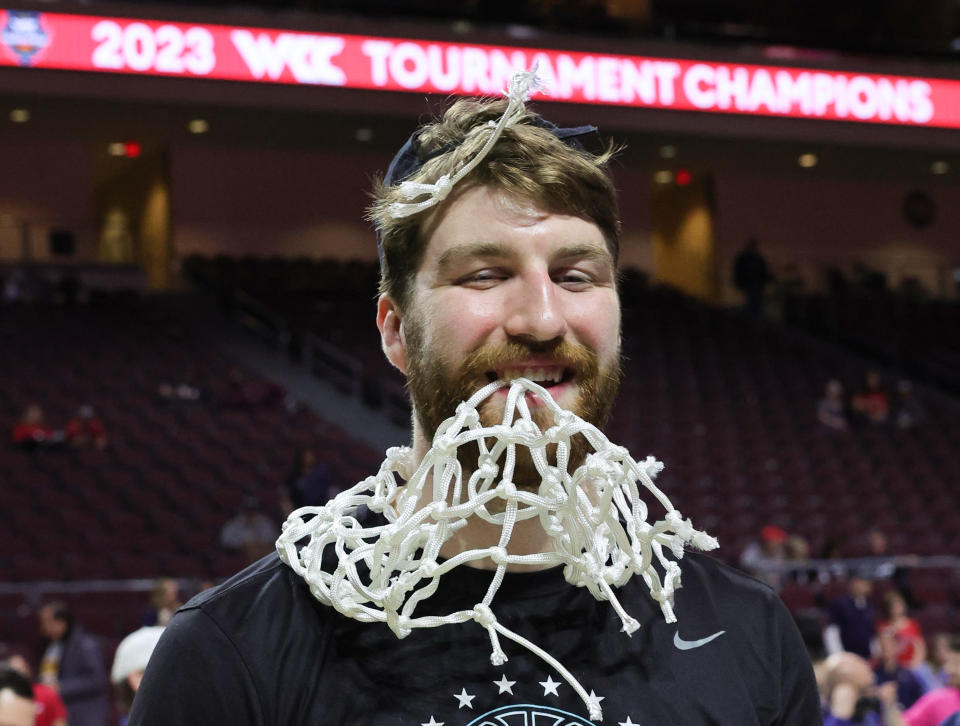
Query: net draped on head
point(594, 515)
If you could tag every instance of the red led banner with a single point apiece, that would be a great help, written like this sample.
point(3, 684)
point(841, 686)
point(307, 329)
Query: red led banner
point(147, 47)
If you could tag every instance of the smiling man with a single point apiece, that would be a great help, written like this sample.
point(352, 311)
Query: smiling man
point(498, 236)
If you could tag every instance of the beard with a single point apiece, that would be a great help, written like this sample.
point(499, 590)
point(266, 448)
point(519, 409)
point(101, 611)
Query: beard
point(437, 385)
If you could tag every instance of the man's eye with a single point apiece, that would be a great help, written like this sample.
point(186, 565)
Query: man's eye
point(482, 278)
point(574, 280)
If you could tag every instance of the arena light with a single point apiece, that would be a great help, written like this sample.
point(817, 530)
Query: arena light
point(668, 151)
point(132, 149)
point(20, 115)
point(363, 134)
point(939, 167)
point(664, 176)
point(808, 161)
point(117, 148)
point(198, 126)
point(683, 177)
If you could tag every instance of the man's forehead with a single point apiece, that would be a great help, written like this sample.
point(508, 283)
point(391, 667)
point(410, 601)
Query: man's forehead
point(487, 222)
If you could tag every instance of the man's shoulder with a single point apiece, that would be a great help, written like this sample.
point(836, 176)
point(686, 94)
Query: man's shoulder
point(712, 591)
point(711, 573)
point(268, 577)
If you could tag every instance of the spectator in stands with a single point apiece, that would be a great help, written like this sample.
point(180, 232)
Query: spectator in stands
point(180, 393)
point(129, 663)
point(765, 559)
point(751, 276)
point(164, 602)
point(72, 664)
point(796, 552)
point(16, 698)
point(250, 532)
point(909, 410)
point(890, 670)
point(935, 706)
point(49, 707)
point(872, 404)
point(851, 696)
point(832, 408)
point(852, 622)
point(908, 638)
point(934, 672)
point(32, 433)
point(86, 429)
point(308, 483)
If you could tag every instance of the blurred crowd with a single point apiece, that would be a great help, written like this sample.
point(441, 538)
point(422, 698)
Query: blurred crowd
point(872, 405)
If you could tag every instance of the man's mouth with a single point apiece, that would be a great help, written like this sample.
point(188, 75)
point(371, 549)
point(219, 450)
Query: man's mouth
point(546, 376)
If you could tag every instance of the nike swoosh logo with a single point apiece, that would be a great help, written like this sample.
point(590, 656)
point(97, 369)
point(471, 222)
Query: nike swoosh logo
point(682, 644)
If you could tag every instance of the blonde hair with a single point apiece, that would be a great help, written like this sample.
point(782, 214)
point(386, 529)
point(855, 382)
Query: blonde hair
point(528, 161)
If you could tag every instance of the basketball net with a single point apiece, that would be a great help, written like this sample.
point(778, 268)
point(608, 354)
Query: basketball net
point(594, 516)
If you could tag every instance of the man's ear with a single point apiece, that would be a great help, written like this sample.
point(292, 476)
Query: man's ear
point(392, 339)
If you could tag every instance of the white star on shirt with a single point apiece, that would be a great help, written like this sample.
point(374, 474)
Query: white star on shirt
point(432, 722)
point(594, 699)
point(550, 686)
point(628, 722)
point(464, 698)
point(504, 685)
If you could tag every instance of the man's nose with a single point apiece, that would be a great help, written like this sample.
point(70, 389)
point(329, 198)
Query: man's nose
point(536, 311)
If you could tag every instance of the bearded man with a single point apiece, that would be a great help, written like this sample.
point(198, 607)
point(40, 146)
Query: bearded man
point(498, 236)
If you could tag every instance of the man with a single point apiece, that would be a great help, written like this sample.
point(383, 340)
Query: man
point(751, 277)
point(852, 622)
point(16, 698)
point(72, 665)
point(506, 270)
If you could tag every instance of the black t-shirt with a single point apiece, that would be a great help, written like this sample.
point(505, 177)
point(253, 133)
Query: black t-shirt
point(260, 649)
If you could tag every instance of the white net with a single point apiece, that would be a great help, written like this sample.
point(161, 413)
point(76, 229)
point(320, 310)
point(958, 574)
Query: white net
point(594, 516)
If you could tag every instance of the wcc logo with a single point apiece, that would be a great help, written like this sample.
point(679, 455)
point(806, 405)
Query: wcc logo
point(24, 35)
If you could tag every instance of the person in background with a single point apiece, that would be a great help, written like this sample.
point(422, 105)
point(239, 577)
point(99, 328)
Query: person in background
point(911, 649)
point(31, 432)
point(72, 665)
point(832, 409)
point(764, 559)
point(934, 671)
point(50, 710)
point(751, 277)
point(85, 429)
point(852, 622)
point(909, 409)
point(250, 532)
point(16, 698)
point(889, 670)
point(872, 404)
point(850, 696)
point(129, 663)
point(935, 706)
point(307, 484)
point(164, 602)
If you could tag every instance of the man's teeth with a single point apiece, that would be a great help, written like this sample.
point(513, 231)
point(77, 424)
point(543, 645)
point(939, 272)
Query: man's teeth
point(537, 375)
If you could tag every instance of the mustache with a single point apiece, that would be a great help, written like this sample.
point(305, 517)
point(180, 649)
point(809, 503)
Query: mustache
point(581, 360)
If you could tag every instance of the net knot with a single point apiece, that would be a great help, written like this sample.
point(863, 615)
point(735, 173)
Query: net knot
point(506, 490)
point(487, 468)
point(499, 556)
point(445, 446)
point(484, 615)
point(429, 568)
